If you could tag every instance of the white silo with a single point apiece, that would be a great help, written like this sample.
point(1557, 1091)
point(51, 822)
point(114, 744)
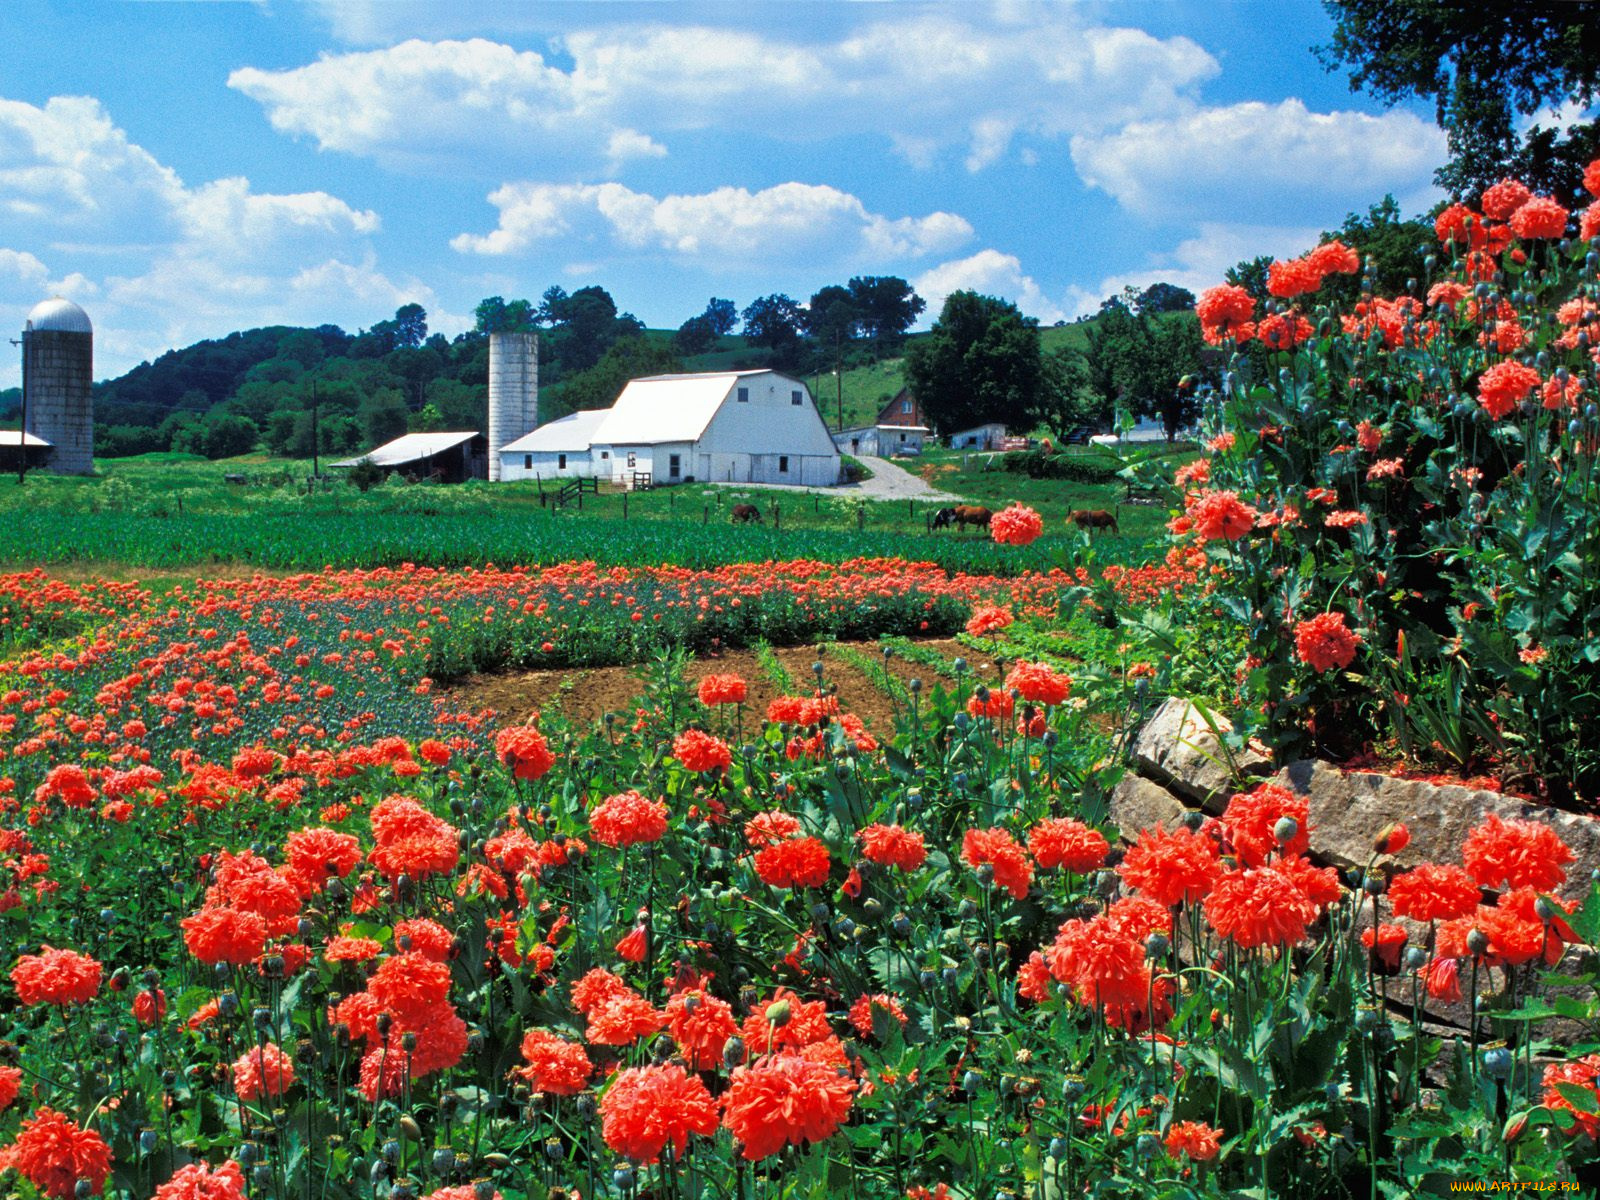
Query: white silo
point(58, 382)
point(513, 391)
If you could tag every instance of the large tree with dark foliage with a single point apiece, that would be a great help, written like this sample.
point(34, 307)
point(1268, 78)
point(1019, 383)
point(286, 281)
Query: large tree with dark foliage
point(775, 323)
point(981, 362)
point(1163, 297)
point(1483, 66)
point(885, 308)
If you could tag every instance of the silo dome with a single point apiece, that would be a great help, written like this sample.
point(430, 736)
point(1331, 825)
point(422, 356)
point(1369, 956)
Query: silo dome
point(59, 315)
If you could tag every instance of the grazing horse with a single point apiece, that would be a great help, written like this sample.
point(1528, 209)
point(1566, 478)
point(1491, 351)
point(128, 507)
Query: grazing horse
point(1094, 518)
point(973, 514)
point(745, 514)
point(943, 519)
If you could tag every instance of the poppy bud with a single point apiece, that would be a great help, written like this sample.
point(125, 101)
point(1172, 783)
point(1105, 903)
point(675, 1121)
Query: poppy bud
point(971, 1081)
point(1515, 1126)
point(1546, 909)
point(1393, 839)
point(444, 1161)
point(1286, 830)
point(147, 1141)
point(733, 1052)
point(1497, 1062)
point(1477, 942)
point(778, 1014)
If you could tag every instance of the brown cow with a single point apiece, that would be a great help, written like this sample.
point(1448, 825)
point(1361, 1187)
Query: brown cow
point(745, 514)
point(1094, 518)
point(973, 514)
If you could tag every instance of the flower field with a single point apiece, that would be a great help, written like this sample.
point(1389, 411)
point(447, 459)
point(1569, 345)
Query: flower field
point(277, 920)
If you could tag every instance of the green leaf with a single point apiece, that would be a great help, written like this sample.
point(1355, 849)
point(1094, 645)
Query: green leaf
point(1583, 1099)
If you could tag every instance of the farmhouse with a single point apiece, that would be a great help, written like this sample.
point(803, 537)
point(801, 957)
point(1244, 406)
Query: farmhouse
point(899, 429)
point(720, 427)
point(448, 457)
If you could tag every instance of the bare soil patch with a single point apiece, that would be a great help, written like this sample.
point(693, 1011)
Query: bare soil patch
point(585, 695)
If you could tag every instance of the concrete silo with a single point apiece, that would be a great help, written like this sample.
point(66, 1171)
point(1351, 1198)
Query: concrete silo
point(513, 391)
point(58, 381)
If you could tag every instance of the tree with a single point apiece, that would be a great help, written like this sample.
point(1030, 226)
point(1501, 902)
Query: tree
point(630, 358)
point(1065, 402)
point(885, 308)
point(1163, 297)
point(383, 416)
point(410, 325)
point(1392, 249)
point(694, 336)
point(722, 315)
point(981, 362)
point(774, 322)
point(1482, 65)
point(495, 315)
point(1136, 364)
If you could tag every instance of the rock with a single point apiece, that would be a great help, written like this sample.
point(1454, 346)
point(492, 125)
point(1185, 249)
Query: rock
point(1177, 748)
point(1349, 809)
point(1137, 804)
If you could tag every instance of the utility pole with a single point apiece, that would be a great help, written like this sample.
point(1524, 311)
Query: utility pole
point(838, 374)
point(22, 433)
point(316, 438)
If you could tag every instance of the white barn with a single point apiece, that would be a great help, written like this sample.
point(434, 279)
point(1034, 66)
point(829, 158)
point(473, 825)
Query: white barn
point(721, 427)
point(561, 449)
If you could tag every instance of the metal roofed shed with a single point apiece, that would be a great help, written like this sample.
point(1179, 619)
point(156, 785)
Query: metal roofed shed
point(560, 449)
point(448, 457)
point(14, 443)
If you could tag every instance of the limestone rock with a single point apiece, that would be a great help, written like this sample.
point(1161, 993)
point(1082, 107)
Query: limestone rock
point(1177, 748)
point(1349, 809)
point(1137, 804)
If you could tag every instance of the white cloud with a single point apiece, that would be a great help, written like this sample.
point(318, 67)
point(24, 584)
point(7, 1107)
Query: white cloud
point(1255, 161)
point(165, 263)
point(927, 83)
point(992, 273)
point(729, 227)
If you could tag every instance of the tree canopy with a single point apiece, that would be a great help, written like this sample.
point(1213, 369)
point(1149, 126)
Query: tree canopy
point(1483, 66)
point(981, 362)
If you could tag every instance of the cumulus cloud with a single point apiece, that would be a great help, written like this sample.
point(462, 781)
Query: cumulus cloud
point(928, 84)
point(789, 223)
point(1255, 161)
point(171, 262)
point(992, 273)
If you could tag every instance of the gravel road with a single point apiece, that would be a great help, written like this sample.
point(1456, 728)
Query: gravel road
point(888, 482)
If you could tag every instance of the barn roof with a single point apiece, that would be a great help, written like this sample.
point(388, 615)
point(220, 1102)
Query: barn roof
point(667, 408)
point(412, 447)
point(9, 437)
point(575, 431)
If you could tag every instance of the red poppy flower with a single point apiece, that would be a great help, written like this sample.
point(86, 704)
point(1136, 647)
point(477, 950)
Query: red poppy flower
point(1171, 868)
point(53, 1154)
point(701, 1025)
point(722, 689)
point(1220, 515)
point(1193, 1139)
point(1259, 907)
point(198, 1181)
point(525, 751)
point(1038, 682)
point(647, 1107)
point(988, 619)
point(1251, 820)
point(56, 977)
point(1516, 854)
point(799, 862)
point(223, 935)
point(785, 1100)
point(555, 1066)
point(1068, 844)
point(700, 751)
point(1434, 892)
point(1324, 642)
point(1505, 385)
point(1585, 1073)
point(263, 1071)
point(861, 1011)
point(1016, 525)
point(10, 1086)
point(628, 819)
point(893, 846)
point(996, 848)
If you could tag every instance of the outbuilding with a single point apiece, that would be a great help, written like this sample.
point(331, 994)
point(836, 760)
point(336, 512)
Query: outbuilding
point(981, 437)
point(561, 449)
point(447, 457)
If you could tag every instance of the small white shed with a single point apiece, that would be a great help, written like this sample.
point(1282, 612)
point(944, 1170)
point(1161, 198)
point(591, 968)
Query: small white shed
point(881, 441)
point(980, 437)
point(559, 449)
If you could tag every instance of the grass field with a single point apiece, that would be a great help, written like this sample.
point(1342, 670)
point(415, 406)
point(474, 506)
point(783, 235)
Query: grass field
point(171, 511)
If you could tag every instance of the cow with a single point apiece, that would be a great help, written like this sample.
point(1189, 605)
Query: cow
point(746, 514)
point(972, 514)
point(1094, 518)
point(943, 519)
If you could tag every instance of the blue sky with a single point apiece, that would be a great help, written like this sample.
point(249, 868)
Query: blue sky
point(186, 169)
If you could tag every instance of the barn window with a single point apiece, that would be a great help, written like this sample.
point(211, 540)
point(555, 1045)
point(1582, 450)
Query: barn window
point(673, 465)
point(783, 464)
point(561, 462)
point(905, 406)
point(605, 454)
point(633, 460)
point(744, 395)
point(527, 462)
point(794, 398)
